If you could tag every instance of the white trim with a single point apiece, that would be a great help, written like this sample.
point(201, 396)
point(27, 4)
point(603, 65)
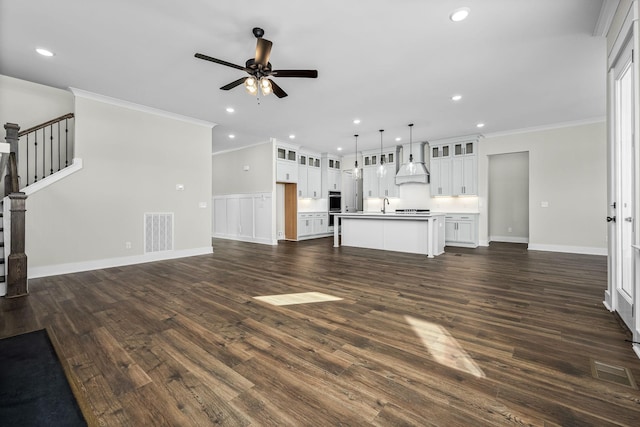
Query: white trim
point(585, 250)
point(624, 35)
point(547, 127)
point(230, 150)
point(75, 267)
point(138, 107)
point(259, 240)
point(76, 165)
point(607, 12)
point(509, 239)
point(483, 243)
point(636, 349)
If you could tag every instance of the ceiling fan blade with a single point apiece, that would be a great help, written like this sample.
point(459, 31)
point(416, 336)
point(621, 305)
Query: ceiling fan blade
point(278, 90)
point(263, 51)
point(312, 74)
point(233, 84)
point(219, 61)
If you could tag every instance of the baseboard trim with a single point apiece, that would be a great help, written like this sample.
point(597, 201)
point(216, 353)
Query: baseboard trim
point(246, 239)
point(509, 239)
point(76, 267)
point(583, 250)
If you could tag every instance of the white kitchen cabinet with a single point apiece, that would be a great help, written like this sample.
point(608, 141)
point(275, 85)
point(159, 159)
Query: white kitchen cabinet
point(312, 225)
point(286, 164)
point(331, 174)
point(441, 177)
point(387, 185)
point(461, 230)
point(454, 167)
point(464, 176)
point(320, 221)
point(370, 184)
point(309, 176)
point(373, 185)
point(305, 224)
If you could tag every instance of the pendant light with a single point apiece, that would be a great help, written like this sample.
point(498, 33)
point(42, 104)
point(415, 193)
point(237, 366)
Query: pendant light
point(382, 171)
point(411, 167)
point(356, 170)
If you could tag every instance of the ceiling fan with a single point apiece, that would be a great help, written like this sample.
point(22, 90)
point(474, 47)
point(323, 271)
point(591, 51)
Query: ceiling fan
point(259, 70)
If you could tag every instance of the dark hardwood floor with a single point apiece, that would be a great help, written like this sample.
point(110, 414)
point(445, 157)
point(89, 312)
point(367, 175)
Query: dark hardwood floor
point(475, 337)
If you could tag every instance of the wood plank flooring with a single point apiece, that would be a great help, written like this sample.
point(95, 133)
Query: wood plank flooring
point(475, 337)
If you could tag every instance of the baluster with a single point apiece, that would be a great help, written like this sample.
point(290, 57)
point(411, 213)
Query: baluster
point(51, 150)
point(66, 141)
point(27, 150)
point(35, 150)
point(58, 146)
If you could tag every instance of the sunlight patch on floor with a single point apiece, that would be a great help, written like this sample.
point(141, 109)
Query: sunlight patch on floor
point(443, 347)
point(299, 298)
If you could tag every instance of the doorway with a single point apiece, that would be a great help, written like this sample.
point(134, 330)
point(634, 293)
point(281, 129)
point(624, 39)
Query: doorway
point(508, 205)
point(622, 201)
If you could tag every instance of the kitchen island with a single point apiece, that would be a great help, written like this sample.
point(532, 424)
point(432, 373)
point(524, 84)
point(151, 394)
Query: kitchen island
point(413, 233)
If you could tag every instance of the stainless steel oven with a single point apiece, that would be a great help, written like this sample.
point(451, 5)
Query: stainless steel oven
point(335, 206)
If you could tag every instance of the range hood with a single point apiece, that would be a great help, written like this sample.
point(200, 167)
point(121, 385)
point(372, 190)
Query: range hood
point(421, 174)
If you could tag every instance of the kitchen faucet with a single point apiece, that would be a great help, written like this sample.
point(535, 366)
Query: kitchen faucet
point(384, 208)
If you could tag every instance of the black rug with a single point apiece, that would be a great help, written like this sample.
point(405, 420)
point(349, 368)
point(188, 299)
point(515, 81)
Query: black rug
point(33, 388)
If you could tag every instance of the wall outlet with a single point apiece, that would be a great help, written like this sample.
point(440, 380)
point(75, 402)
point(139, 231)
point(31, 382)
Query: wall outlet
point(180, 187)
point(127, 245)
point(544, 204)
point(202, 205)
point(510, 230)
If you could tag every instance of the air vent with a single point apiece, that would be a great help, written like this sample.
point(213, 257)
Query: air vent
point(612, 373)
point(158, 232)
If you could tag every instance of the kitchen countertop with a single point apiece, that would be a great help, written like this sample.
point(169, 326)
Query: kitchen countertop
point(388, 215)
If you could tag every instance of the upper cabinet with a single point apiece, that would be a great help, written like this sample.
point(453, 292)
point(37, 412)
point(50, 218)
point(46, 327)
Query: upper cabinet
point(454, 167)
point(331, 173)
point(286, 163)
point(309, 176)
point(374, 183)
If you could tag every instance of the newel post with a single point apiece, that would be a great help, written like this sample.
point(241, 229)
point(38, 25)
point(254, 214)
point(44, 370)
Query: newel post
point(17, 259)
point(17, 268)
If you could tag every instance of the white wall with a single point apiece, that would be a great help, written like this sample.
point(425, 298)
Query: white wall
point(229, 176)
point(509, 198)
point(567, 169)
point(133, 158)
point(29, 104)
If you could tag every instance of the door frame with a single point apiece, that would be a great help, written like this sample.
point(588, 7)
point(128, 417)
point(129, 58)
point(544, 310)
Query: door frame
point(628, 33)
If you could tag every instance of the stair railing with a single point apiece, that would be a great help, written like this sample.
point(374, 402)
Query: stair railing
point(47, 148)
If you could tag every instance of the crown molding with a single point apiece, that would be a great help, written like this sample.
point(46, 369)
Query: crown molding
point(80, 93)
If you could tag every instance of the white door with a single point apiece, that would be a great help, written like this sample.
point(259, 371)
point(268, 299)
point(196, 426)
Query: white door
point(623, 121)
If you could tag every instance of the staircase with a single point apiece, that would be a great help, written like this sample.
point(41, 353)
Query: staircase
point(29, 157)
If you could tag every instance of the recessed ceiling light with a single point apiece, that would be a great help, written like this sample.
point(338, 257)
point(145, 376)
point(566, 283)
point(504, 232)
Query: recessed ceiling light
point(292, 136)
point(230, 110)
point(398, 139)
point(339, 148)
point(231, 136)
point(356, 121)
point(44, 52)
point(480, 125)
point(456, 97)
point(459, 14)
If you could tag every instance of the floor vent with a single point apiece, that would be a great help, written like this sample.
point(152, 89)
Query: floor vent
point(612, 373)
point(158, 232)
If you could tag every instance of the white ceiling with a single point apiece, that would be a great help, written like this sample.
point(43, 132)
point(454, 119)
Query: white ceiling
point(517, 63)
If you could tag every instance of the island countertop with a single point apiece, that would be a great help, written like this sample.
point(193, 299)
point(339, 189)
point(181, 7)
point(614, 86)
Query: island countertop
point(388, 215)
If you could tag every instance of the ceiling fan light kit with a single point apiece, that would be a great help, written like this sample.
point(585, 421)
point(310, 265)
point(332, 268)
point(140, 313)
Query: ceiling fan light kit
point(259, 70)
